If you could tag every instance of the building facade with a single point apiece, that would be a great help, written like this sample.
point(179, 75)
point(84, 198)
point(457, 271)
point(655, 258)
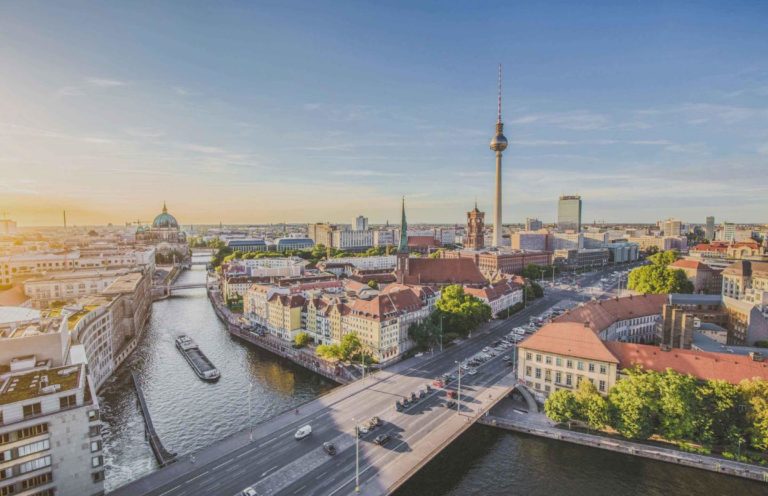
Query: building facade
point(569, 213)
point(475, 238)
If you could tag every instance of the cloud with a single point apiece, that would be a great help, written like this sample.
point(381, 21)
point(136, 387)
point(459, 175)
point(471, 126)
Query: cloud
point(104, 82)
point(364, 173)
point(578, 120)
point(211, 150)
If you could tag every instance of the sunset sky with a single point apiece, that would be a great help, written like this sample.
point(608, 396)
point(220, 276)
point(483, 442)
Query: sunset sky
point(311, 111)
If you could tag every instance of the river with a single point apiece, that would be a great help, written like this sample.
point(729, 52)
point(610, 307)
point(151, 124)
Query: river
point(190, 414)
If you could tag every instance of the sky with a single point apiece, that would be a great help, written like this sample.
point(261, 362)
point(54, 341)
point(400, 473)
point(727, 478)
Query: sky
point(258, 112)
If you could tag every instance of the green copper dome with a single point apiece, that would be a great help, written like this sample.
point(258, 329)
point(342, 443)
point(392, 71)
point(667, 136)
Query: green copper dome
point(165, 220)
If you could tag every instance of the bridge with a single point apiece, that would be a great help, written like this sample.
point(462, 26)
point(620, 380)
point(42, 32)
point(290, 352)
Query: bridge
point(268, 458)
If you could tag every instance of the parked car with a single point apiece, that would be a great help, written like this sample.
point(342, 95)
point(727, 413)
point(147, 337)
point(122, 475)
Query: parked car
point(303, 432)
point(472, 371)
point(362, 429)
point(381, 439)
point(376, 421)
point(414, 398)
point(249, 491)
point(422, 394)
point(452, 394)
point(329, 448)
point(398, 406)
point(439, 383)
point(450, 404)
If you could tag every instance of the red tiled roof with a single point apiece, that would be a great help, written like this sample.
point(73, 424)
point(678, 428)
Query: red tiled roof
point(443, 271)
point(569, 339)
point(425, 241)
point(601, 314)
point(690, 264)
point(384, 306)
point(491, 293)
point(700, 364)
point(714, 246)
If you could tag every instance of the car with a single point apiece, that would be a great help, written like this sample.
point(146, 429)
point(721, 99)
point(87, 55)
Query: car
point(381, 439)
point(472, 371)
point(406, 401)
point(438, 383)
point(486, 349)
point(414, 398)
point(510, 363)
point(507, 357)
point(329, 448)
point(248, 491)
point(450, 404)
point(429, 388)
point(422, 394)
point(362, 429)
point(452, 394)
point(376, 421)
point(419, 355)
point(398, 406)
point(303, 432)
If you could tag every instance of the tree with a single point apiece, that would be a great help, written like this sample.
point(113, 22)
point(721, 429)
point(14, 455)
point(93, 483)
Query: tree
point(329, 351)
point(461, 312)
point(350, 346)
point(561, 406)
point(436, 254)
point(373, 284)
point(426, 332)
point(634, 404)
point(678, 405)
point(718, 420)
point(665, 257)
point(592, 407)
point(658, 279)
point(755, 393)
point(301, 340)
point(538, 291)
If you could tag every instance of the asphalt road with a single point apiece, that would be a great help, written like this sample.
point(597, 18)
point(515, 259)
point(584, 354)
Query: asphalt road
point(276, 463)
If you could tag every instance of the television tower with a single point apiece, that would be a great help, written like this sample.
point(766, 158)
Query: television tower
point(498, 145)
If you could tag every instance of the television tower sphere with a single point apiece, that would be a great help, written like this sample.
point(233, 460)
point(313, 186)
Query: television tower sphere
point(499, 142)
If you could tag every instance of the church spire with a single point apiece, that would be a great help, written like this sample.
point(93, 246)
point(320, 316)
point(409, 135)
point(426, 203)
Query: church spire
point(403, 246)
point(165, 209)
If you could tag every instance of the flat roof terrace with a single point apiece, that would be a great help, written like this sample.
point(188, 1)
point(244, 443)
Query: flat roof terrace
point(30, 385)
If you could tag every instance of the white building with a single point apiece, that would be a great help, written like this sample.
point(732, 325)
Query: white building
point(352, 240)
point(382, 262)
point(50, 434)
point(500, 296)
point(361, 223)
point(567, 241)
point(386, 237)
point(269, 267)
point(67, 286)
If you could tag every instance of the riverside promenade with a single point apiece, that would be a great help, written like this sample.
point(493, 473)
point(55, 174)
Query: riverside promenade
point(507, 415)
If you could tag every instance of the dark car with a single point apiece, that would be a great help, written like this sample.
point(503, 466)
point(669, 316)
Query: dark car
point(406, 402)
point(329, 448)
point(450, 404)
point(381, 439)
point(422, 394)
point(398, 406)
point(414, 398)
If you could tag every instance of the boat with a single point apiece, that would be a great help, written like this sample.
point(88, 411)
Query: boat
point(203, 367)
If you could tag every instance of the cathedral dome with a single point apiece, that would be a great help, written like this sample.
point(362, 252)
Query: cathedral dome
point(165, 220)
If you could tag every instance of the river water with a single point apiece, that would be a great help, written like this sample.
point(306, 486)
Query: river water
point(190, 414)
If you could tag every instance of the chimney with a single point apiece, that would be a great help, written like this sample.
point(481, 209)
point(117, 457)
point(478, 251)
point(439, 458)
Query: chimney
point(586, 323)
point(665, 347)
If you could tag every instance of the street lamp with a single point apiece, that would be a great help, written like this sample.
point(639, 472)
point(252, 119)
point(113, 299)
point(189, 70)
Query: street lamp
point(458, 402)
point(441, 333)
point(357, 457)
point(250, 423)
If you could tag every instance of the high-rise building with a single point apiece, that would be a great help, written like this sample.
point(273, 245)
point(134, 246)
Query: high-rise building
point(569, 213)
point(475, 229)
point(7, 226)
point(672, 227)
point(498, 145)
point(361, 223)
point(533, 224)
point(729, 231)
point(709, 229)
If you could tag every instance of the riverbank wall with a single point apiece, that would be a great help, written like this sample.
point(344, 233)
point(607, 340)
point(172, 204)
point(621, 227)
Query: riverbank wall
point(703, 462)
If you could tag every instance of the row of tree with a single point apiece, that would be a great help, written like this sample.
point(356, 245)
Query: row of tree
point(658, 277)
point(716, 414)
point(349, 349)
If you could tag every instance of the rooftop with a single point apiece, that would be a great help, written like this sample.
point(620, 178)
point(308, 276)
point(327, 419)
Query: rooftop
point(601, 314)
point(30, 385)
point(18, 314)
point(569, 339)
point(694, 299)
point(126, 283)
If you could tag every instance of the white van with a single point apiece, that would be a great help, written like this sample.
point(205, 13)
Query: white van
point(303, 432)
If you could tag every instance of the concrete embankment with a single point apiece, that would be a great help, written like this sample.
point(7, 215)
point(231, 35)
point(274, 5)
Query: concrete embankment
point(545, 429)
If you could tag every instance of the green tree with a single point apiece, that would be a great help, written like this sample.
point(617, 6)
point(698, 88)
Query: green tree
point(678, 405)
point(592, 408)
point(461, 312)
point(755, 393)
point(373, 284)
point(426, 332)
point(664, 258)
point(329, 351)
point(436, 254)
point(659, 279)
point(301, 339)
point(561, 406)
point(538, 291)
point(350, 346)
point(718, 419)
point(635, 404)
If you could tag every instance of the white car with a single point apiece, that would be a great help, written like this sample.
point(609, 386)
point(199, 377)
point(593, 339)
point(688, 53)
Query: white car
point(303, 432)
point(249, 491)
point(472, 371)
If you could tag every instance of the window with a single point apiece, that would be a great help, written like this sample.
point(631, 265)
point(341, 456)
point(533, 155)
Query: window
point(558, 378)
point(591, 367)
point(97, 461)
point(28, 449)
point(538, 373)
point(538, 358)
point(528, 356)
point(38, 480)
point(559, 362)
point(35, 430)
point(569, 364)
point(548, 375)
point(601, 387)
point(547, 388)
point(32, 410)
point(603, 369)
point(6, 473)
point(580, 365)
point(548, 360)
point(68, 401)
point(568, 380)
point(94, 430)
point(528, 371)
point(97, 476)
point(7, 490)
point(35, 464)
point(5, 455)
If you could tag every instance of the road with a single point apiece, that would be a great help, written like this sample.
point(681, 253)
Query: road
point(275, 463)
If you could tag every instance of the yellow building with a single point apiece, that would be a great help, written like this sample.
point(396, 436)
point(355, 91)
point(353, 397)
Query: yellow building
point(284, 313)
point(561, 355)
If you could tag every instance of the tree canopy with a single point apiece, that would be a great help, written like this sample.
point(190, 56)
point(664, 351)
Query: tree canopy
point(658, 278)
point(461, 312)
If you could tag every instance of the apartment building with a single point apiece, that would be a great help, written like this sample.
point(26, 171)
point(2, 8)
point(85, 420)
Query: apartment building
point(50, 432)
point(70, 285)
